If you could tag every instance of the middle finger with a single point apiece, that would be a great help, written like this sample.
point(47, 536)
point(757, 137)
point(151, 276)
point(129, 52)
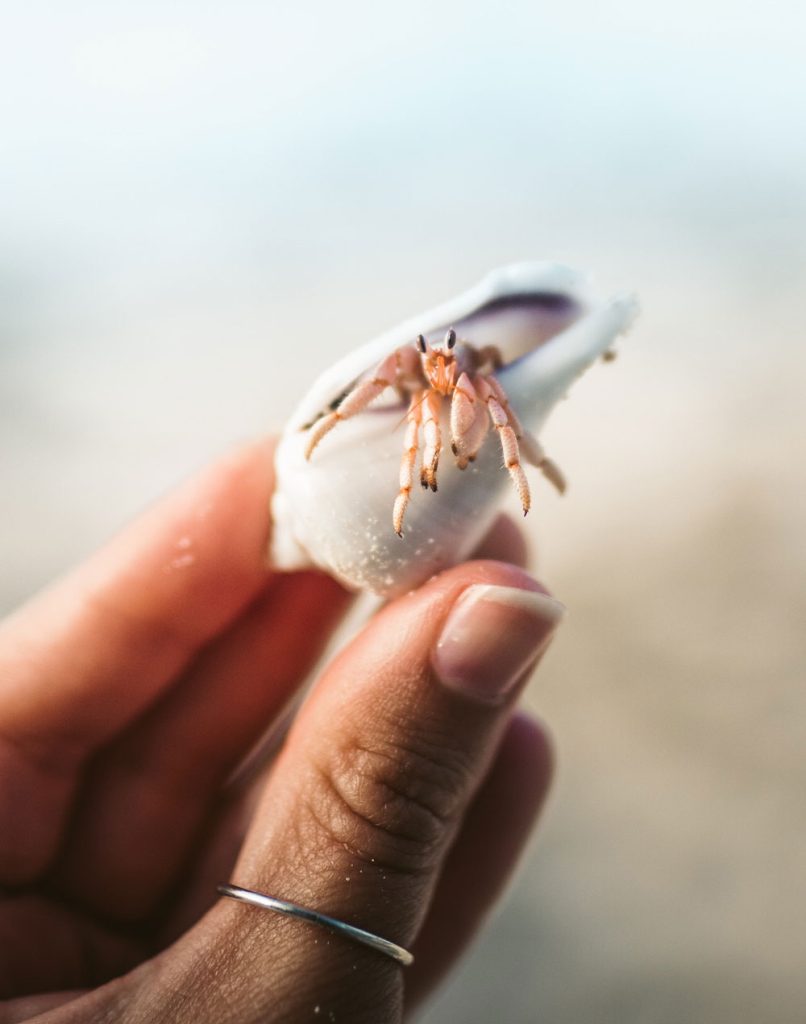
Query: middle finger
point(148, 795)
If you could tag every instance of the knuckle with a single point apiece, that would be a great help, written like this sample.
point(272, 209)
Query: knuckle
point(391, 804)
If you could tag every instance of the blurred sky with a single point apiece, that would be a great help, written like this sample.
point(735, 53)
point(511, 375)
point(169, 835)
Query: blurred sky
point(303, 135)
point(200, 205)
point(203, 205)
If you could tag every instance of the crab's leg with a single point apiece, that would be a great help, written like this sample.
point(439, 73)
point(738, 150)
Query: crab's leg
point(410, 445)
point(433, 439)
point(490, 354)
point(533, 453)
point(509, 442)
point(463, 415)
point(530, 447)
point(357, 400)
point(476, 436)
point(469, 422)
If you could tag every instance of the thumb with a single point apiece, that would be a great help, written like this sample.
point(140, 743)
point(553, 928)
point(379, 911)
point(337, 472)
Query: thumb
point(370, 790)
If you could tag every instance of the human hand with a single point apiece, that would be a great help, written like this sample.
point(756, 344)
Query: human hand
point(130, 692)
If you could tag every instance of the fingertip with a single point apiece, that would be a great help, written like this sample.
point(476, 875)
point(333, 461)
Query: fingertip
point(504, 542)
point(484, 571)
point(528, 751)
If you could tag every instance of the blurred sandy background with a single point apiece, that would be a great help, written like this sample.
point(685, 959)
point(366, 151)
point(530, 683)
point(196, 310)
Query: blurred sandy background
point(199, 206)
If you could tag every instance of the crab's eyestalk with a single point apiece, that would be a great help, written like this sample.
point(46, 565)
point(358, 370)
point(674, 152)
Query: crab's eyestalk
point(450, 338)
point(422, 344)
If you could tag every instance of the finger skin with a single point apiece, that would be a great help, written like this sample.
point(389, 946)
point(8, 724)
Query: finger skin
point(356, 821)
point(49, 946)
point(504, 542)
point(15, 1011)
point(148, 797)
point(152, 790)
point(380, 699)
point(68, 743)
point(490, 842)
point(86, 657)
point(142, 605)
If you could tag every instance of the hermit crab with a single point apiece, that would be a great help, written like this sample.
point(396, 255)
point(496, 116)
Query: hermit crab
point(495, 360)
point(477, 400)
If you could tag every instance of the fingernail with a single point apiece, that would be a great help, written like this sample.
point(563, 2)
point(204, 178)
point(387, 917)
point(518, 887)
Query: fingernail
point(491, 637)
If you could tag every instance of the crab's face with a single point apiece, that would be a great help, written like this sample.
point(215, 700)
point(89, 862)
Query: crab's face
point(439, 364)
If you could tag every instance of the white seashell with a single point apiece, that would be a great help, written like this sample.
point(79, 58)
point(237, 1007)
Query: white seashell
point(335, 511)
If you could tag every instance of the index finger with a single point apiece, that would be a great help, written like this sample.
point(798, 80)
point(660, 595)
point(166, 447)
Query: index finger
point(86, 656)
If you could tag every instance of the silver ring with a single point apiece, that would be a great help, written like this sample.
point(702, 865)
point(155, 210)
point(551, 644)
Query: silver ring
point(260, 899)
